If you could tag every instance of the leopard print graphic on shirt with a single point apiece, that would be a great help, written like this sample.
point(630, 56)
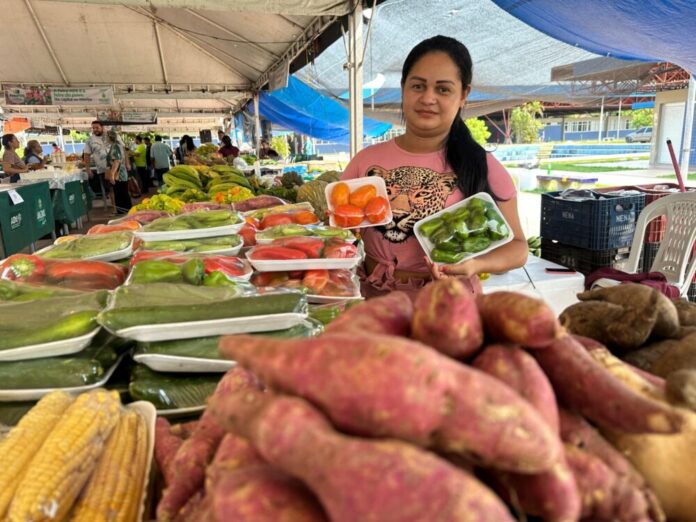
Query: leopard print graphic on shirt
point(414, 193)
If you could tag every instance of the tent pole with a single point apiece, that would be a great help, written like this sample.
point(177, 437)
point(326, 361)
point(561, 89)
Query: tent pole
point(601, 120)
point(355, 78)
point(688, 127)
point(257, 124)
point(61, 141)
point(618, 123)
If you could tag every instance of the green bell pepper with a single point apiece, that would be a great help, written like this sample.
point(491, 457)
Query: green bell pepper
point(496, 226)
point(430, 227)
point(444, 256)
point(155, 271)
point(193, 271)
point(476, 244)
point(451, 245)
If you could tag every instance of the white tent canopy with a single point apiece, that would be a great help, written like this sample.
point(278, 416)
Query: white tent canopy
point(201, 58)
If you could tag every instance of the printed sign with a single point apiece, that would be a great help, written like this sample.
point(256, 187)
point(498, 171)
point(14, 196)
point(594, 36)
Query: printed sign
point(82, 95)
point(15, 197)
point(15, 221)
point(36, 95)
point(115, 117)
point(40, 213)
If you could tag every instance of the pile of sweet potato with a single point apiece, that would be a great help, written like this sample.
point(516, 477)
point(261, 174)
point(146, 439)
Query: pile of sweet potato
point(453, 408)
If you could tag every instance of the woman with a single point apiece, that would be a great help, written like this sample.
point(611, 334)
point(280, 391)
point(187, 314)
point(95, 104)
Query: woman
point(186, 148)
point(435, 164)
point(117, 175)
point(12, 164)
point(227, 148)
point(33, 155)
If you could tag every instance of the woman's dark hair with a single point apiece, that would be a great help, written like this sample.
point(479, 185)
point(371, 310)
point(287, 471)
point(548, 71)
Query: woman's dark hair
point(466, 157)
point(190, 145)
point(227, 141)
point(6, 140)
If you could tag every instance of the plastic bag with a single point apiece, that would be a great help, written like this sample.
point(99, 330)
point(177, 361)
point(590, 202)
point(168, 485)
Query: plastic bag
point(73, 274)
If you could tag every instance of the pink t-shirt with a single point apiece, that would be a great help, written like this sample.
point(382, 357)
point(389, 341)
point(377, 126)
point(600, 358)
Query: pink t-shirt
point(418, 185)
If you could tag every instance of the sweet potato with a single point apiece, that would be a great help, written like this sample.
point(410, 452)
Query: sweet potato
point(522, 373)
point(446, 318)
point(681, 388)
point(386, 386)
point(166, 446)
point(584, 385)
point(197, 451)
point(605, 495)
point(629, 375)
point(680, 356)
point(389, 315)
point(355, 479)
point(509, 317)
point(644, 357)
point(611, 324)
point(641, 302)
point(184, 430)
point(686, 312)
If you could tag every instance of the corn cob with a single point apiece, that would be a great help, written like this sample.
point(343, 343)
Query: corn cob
point(67, 458)
point(22, 443)
point(114, 491)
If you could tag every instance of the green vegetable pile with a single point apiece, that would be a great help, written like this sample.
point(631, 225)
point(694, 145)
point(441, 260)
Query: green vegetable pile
point(194, 220)
point(467, 230)
point(207, 244)
point(90, 246)
point(294, 230)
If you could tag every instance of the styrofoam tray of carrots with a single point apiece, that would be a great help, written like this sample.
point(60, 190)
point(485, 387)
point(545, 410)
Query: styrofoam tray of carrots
point(366, 204)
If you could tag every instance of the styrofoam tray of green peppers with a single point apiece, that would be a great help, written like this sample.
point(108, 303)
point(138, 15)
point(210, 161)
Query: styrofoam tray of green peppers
point(468, 229)
point(194, 225)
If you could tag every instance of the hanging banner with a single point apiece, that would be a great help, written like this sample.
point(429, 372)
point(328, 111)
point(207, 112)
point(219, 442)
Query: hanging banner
point(15, 95)
point(116, 117)
point(278, 77)
point(82, 95)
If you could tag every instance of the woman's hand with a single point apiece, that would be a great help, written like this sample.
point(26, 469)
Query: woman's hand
point(466, 268)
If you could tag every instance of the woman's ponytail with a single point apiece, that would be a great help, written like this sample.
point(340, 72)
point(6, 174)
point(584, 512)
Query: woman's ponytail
point(468, 159)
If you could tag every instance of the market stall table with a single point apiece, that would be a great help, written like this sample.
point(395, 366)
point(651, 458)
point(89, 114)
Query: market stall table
point(26, 215)
point(558, 289)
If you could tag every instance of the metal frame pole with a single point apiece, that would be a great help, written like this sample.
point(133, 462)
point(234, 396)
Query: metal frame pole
point(257, 124)
point(688, 128)
point(355, 78)
point(618, 123)
point(601, 119)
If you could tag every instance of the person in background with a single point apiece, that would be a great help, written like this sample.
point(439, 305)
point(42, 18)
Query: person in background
point(186, 148)
point(33, 155)
point(148, 159)
point(94, 154)
point(140, 160)
point(227, 148)
point(56, 148)
point(434, 165)
point(266, 152)
point(117, 175)
point(221, 137)
point(12, 164)
point(160, 154)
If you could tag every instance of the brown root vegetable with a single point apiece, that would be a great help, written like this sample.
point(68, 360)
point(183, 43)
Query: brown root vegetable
point(446, 318)
point(389, 315)
point(355, 479)
point(686, 311)
point(645, 357)
point(240, 485)
point(184, 430)
point(197, 451)
point(681, 356)
point(584, 385)
point(387, 386)
point(681, 388)
point(685, 331)
point(166, 446)
point(510, 317)
point(605, 495)
point(522, 373)
point(629, 375)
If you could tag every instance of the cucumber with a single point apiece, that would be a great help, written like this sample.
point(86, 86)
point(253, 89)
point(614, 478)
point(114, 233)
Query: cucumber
point(207, 347)
point(12, 412)
point(168, 391)
point(83, 369)
point(266, 304)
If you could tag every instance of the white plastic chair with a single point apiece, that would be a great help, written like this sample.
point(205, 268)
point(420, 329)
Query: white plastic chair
point(674, 254)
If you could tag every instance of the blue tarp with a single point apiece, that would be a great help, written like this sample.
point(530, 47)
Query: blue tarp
point(300, 108)
point(656, 30)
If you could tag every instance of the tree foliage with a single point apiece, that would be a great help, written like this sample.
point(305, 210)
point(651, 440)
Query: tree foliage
point(479, 130)
point(525, 123)
point(639, 118)
point(280, 145)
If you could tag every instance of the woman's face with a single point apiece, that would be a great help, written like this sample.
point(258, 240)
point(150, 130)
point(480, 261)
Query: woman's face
point(432, 95)
point(37, 148)
point(14, 143)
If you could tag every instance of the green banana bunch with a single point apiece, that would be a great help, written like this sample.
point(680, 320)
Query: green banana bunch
point(534, 244)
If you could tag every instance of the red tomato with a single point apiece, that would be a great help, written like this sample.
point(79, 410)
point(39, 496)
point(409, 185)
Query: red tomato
point(275, 253)
point(248, 233)
point(316, 280)
point(348, 216)
point(305, 217)
point(309, 245)
point(361, 196)
point(273, 220)
point(340, 194)
point(376, 210)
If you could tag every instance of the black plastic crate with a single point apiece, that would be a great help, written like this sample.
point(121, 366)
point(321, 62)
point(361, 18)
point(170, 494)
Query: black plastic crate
point(649, 255)
point(692, 293)
point(580, 259)
point(599, 224)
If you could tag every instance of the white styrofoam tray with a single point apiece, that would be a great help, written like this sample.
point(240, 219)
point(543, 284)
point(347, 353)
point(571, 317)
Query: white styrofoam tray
point(161, 362)
point(428, 246)
point(354, 184)
point(109, 256)
point(288, 265)
point(228, 326)
point(196, 233)
point(233, 251)
point(181, 412)
point(36, 394)
point(246, 276)
point(52, 349)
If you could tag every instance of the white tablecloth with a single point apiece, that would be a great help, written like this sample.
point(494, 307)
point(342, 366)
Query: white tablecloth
point(559, 290)
point(57, 178)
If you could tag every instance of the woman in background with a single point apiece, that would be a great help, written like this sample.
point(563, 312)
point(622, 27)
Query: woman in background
point(12, 164)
